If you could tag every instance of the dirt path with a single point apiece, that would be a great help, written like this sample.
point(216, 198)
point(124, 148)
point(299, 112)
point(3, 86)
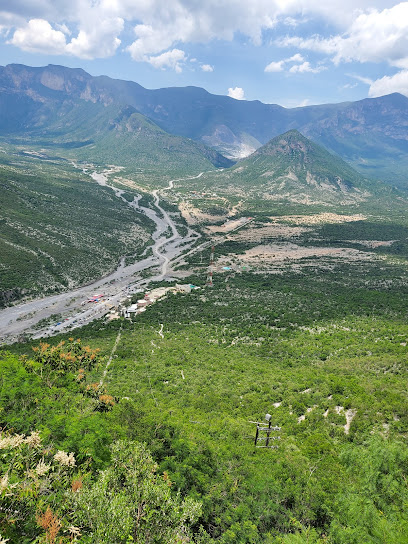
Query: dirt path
point(115, 345)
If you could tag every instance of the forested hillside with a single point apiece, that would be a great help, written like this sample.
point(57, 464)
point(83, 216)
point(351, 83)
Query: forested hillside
point(322, 348)
point(58, 228)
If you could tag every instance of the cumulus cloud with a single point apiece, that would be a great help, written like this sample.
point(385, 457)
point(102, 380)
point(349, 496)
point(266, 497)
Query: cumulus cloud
point(38, 36)
point(148, 41)
point(275, 66)
point(170, 59)
point(302, 66)
point(237, 93)
point(98, 41)
point(305, 67)
point(207, 68)
point(397, 83)
point(295, 58)
point(376, 36)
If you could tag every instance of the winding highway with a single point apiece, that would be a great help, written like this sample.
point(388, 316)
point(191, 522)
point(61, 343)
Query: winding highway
point(37, 318)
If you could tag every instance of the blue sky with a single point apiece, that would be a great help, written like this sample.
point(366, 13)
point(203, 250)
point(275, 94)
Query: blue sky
point(289, 52)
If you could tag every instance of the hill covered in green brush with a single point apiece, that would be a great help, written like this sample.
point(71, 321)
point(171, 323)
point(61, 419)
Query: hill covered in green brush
point(59, 229)
point(292, 173)
point(113, 134)
point(322, 349)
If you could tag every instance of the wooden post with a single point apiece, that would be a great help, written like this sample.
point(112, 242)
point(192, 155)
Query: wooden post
point(257, 433)
point(268, 433)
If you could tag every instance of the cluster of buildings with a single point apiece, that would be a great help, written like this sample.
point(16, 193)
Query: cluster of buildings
point(149, 298)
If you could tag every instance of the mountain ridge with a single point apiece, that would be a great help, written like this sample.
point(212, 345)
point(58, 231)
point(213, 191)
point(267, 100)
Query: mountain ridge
point(371, 134)
point(289, 175)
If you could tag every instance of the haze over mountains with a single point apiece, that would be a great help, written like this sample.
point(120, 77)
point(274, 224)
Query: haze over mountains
point(371, 134)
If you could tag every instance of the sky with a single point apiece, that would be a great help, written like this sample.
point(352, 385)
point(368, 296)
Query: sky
point(288, 52)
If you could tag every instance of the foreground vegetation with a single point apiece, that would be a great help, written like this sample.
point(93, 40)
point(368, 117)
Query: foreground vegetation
point(323, 351)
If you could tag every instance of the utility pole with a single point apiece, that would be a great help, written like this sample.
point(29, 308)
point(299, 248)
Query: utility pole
point(263, 441)
point(209, 281)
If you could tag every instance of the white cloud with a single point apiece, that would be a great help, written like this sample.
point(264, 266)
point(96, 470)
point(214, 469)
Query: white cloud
point(397, 83)
point(237, 93)
point(149, 41)
point(305, 67)
point(376, 36)
point(159, 25)
point(207, 68)
point(170, 59)
point(275, 66)
point(98, 41)
point(295, 58)
point(38, 36)
point(363, 33)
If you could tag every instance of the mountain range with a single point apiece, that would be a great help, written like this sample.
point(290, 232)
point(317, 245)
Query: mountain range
point(370, 134)
point(53, 119)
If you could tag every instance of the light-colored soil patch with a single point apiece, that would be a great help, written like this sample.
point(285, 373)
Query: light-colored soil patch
point(194, 216)
point(303, 417)
point(268, 230)
point(318, 219)
point(372, 244)
point(273, 253)
point(235, 209)
point(228, 226)
point(350, 414)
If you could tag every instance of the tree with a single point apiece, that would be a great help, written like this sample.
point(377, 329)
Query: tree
point(130, 502)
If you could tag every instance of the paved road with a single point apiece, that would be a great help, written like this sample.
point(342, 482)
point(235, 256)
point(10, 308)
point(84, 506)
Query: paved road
point(72, 306)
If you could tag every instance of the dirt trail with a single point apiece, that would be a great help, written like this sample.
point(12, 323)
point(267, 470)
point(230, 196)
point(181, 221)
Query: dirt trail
point(115, 345)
